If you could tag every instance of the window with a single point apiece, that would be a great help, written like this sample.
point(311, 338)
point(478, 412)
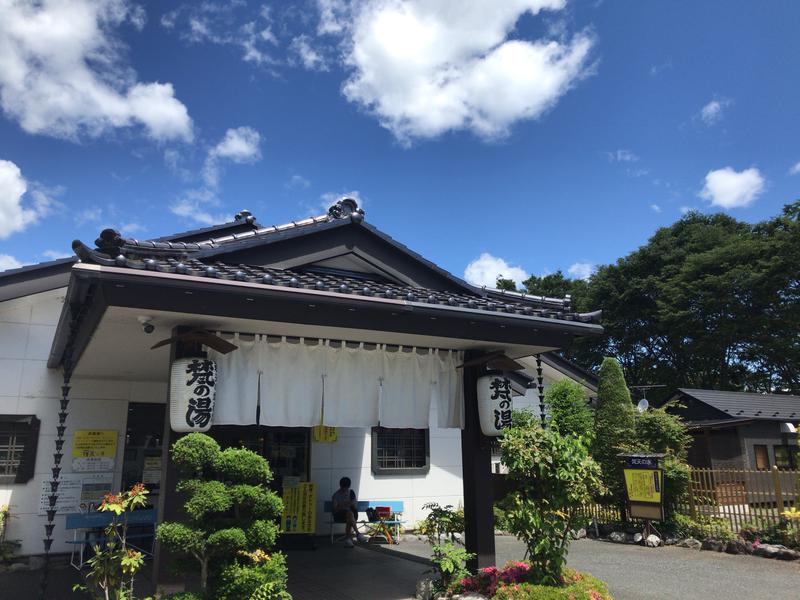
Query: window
point(400, 451)
point(762, 457)
point(785, 457)
point(19, 435)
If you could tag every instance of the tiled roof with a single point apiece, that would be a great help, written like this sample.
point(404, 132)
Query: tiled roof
point(192, 259)
point(749, 405)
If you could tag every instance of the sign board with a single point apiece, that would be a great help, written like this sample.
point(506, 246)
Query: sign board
point(192, 390)
point(77, 492)
point(299, 508)
point(94, 450)
point(495, 404)
point(325, 434)
point(644, 486)
point(151, 471)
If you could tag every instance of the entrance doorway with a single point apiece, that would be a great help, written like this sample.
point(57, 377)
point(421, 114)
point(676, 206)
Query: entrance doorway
point(142, 459)
point(288, 449)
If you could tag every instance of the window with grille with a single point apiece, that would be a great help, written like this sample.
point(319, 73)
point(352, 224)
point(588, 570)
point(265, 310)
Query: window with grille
point(785, 457)
point(19, 435)
point(400, 451)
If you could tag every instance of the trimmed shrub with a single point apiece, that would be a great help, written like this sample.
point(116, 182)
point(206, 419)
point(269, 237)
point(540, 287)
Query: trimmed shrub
point(702, 527)
point(569, 411)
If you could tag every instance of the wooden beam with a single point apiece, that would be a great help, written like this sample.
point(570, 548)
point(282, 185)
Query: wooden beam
point(476, 458)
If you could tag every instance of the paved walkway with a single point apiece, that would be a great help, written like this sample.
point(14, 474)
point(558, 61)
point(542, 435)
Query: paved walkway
point(638, 573)
point(339, 573)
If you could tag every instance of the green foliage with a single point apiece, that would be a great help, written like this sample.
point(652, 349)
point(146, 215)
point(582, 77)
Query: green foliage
point(614, 428)
point(450, 561)
point(195, 453)
point(112, 569)
point(575, 586)
point(569, 410)
point(508, 285)
point(269, 591)
point(441, 521)
point(237, 580)
point(702, 527)
point(553, 476)
point(230, 510)
point(660, 431)
point(699, 306)
point(182, 596)
point(7, 547)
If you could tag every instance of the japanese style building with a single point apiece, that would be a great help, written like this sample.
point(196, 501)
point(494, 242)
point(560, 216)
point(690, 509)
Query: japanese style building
point(334, 324)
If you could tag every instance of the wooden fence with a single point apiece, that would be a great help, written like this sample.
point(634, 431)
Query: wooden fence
point(740, 496)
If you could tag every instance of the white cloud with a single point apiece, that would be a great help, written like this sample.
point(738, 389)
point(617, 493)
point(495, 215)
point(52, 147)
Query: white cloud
point(220, 24)
point(21, 202)
point(686, 209)
point(241, 145)
point(622, 155)
point(727, 188)
point(297, 182)
point(308, 56)
point(655, 208)
point(581, 270)
point(62, 73)
point(712, 112)
point(485, 270)
point(795, 169)
point(426, 68)
point(91, 214)
point(8, 262)
point(55, 254)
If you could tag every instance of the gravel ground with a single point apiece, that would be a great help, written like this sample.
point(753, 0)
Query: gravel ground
point(639, 573)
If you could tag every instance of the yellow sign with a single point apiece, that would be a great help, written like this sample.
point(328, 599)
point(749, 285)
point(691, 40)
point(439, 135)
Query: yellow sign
point(94, 450)
point(323, 433)
point(644, 485)
point(299, 508)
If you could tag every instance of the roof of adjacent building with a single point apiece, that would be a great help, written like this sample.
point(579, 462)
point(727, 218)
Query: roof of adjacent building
point(749, 405)
point(200, 258)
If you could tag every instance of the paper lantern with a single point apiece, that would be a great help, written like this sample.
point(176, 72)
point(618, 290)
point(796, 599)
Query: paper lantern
point(494, 403)
point(192, 391)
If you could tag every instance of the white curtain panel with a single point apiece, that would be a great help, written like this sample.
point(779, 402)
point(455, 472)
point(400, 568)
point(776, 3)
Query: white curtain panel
point(237, 383)
point(291, 383)
point(304, 384)
point(351, 381)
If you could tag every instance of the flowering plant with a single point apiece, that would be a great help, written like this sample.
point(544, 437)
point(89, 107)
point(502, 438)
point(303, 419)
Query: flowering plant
point(487, 580)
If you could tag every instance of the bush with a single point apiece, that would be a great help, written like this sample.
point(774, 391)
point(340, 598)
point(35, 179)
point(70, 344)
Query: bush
point(614, 429)
point(441, 521)
point(569, 411)
point(231, 519)
point(702, 527)
point(576, 586)
point(553, 477)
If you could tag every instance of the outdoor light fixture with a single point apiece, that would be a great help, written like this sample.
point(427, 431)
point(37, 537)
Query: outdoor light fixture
point(494, 403)
point(192, 391)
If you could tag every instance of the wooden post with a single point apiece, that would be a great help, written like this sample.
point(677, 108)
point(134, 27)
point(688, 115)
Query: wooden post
point(692, 510)
point(476, 459)
point(776, 478)
point(170, 503)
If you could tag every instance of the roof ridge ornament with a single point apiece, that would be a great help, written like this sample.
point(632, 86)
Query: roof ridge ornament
point(246, 216)
point(346, 208)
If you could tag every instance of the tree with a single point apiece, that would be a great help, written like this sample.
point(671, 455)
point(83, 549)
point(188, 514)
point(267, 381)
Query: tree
point(614, 428)
point(569, 411)
point(231, 518)
point(708, 302)
point(552, 477)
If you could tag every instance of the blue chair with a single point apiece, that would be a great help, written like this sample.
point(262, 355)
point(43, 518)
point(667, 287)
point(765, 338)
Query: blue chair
point(361, 507)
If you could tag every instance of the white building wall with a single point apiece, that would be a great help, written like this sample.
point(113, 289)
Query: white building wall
point(351, 456)
point(27, 386)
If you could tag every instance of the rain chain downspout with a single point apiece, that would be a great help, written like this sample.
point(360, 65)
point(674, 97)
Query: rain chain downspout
point(540, 385)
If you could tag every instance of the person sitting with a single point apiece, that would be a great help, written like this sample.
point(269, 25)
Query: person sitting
point(344, 504)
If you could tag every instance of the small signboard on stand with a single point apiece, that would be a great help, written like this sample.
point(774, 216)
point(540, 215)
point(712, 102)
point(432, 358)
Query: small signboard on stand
point(298, 522)
point(644, 485)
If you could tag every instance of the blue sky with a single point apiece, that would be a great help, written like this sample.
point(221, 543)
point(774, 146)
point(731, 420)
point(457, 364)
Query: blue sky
point(516, 137)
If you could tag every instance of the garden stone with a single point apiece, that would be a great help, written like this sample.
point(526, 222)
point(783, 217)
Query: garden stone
point(785, 553)
point(580, 534)
point(671, 541)
point(18, 567)
point(690, 543)
point(736, 546)
point(617, 537)
point(749, 547)
point(605, 530)
point(766, 551)
point(636, 538)
point(458, 538)
point(713, 545)
point(652, 541)
point(35, 563)
point(425, 587)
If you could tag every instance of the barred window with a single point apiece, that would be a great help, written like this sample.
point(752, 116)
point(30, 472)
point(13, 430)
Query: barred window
point(400, 451)
point(19, 435)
